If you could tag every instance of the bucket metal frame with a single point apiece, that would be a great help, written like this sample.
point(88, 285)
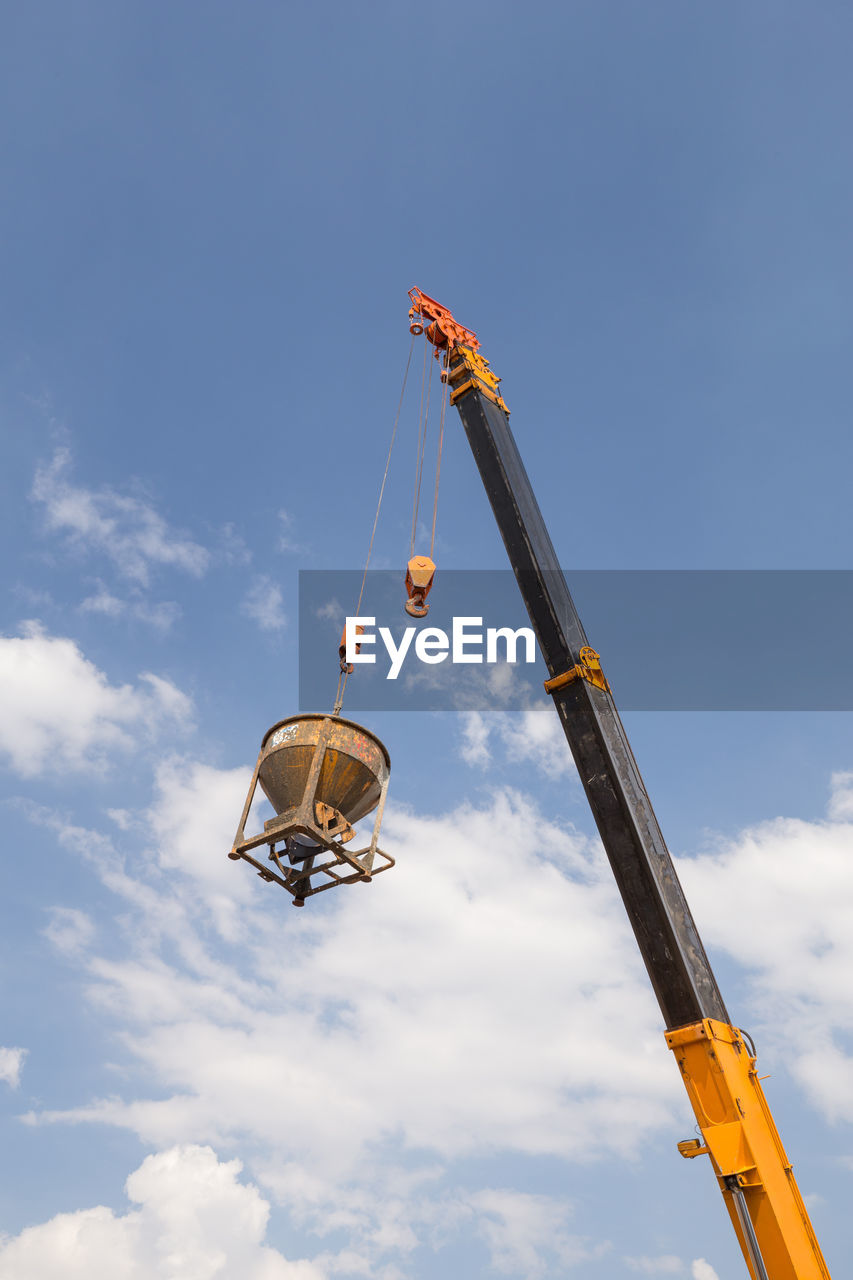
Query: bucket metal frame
point(327, 827)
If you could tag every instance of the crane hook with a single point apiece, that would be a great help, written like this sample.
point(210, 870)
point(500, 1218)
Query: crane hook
point(420, 572)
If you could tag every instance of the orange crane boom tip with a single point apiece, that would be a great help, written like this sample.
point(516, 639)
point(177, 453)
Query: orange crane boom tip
point(437, 322)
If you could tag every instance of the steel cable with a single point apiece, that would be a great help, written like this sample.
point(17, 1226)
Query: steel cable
point(344, 675)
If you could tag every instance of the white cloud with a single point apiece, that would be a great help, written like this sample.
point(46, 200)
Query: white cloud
point(124, 819)
point(33, 597)
point(11, 1062)
point(384, 1010)
point(779, 898)
point(527, 1234)
point(286, 542)
point(194, 1220)
point(232, 546)
point(195, 806)
point(702, 1270)
point(103, 602)
point(475, 739)
point(60, 711)
point(332, 611)
point(450, 963)
point(127, 530)
point(666, 1264)
point(69, 930)
point(534, 735)
point(263, 604)
point(841, 797)
point(160, 615)
point(539, 739)
point(500, 684)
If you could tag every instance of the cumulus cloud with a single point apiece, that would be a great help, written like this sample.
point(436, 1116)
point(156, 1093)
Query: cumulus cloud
point(446, 685)
point(413, 1020)
point(125, 529)
point(385, 1012)
point(11, 1062)
point(60, 710)
point(193, 817)
point(332, 611)
point(532, 736)
point(527, 1235)
point(263, 603)
point(419, 985)
point(161, 614)
point(476, 732)
point(841, 797)
point(69, 930)
point(779, 898)
point(286, 541)
point(125, 819)
point(666, 1264)
point(193, 1220)
point(232, 548)
point(103, 602)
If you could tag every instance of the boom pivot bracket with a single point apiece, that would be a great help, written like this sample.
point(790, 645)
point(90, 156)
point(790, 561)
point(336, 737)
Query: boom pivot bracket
point(589, 669)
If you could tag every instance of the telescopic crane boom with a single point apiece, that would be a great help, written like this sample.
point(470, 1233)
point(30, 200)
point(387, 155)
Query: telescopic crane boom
point(716, 1061)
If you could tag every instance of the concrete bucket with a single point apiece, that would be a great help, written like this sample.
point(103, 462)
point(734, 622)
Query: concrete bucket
point(321, 774)
point(350, 775)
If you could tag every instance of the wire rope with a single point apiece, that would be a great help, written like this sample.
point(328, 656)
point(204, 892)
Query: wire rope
point(419, 467)
point(438, 466)
point(344, 675)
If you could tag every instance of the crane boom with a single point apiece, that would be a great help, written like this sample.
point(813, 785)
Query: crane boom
point(666, 933)
point(718, 1069)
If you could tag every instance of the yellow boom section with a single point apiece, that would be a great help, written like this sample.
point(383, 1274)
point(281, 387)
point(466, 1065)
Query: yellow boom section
point(755, 1175)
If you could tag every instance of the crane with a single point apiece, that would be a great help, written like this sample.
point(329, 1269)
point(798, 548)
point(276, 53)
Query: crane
point(716, 1060)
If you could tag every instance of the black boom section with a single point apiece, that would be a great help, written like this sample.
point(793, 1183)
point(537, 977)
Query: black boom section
point(664, 927)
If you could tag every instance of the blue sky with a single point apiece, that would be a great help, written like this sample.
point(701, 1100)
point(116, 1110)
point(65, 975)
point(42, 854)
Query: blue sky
point(210, 221)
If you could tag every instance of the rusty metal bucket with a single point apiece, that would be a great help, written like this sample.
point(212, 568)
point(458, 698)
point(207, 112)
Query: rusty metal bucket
point(321, 774)
point(353, 769)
